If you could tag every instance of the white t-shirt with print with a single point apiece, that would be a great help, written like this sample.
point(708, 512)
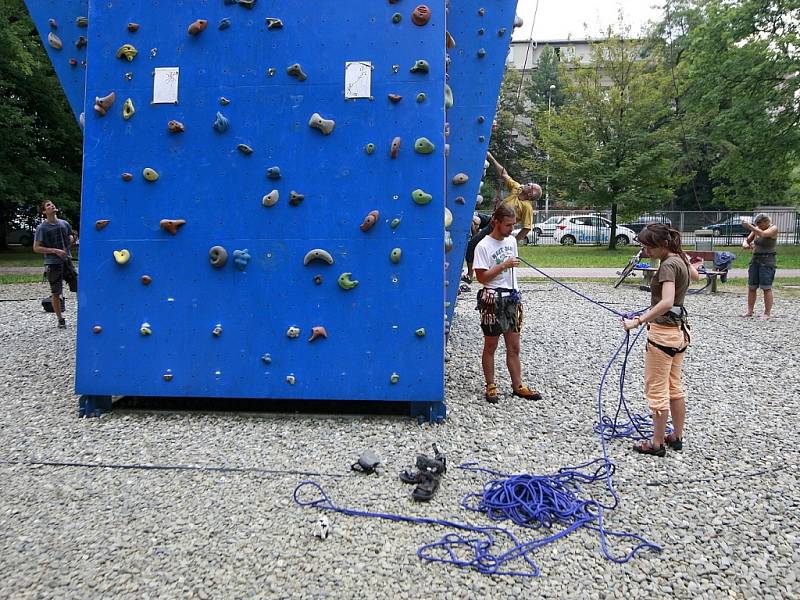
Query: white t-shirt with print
point(490, 252)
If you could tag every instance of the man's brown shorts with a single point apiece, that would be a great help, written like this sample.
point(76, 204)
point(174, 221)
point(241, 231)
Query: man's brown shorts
point(58, 274)
point(498, 313)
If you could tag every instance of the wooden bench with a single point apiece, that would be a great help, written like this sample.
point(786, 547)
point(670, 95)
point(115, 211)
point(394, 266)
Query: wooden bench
point(709, 269)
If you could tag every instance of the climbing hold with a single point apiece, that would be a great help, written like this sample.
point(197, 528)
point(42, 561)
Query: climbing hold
point(420, 332)
point(481, 118)
point(290, 379)
point(324, 125)
point(460, 179)
point(481, 52)
point(395, 255)
point(318, 332)
point(345, 282)
point(224, 24)
point(224, 101)
point(421, 97)
point(167, 376)
point(296, 70)
point(369, 220)
point(481, 11)
point(244, 149)
point(266, 359)
point(460, 200)
point(421, 15)
point(421, 197)
point(396, 18)
point(128, 75)
point(248, 4)
point(97, 329)
point(198, 26)
point(270, 199)
point(481, 138)
point(175, 126)
point(318, 254)
point(446, 150)
point(150, 174)
point(517, 21)
point(394, 378)
point(128, 109)
point(127, 176)
point(73, 62)
point(145, 329)
point(271, 71)
point(421, 66)
point(293, 332)
point(273, 23)
point(53, 23)
point(102, 104)
point(241, 258)
point(481, 31)
point(100, 223)
point(448, 241)
point(133, 27)
point(295, 198)
point(448, 218)
point(146, 279)
point(395, 98)
point(424, 146)
point(81, 21)
point(369, 148)
point(54, 41)
point(449, 40)
point(448, 97)
point(122, 256)
point(317, 279)
point(274, 173)
point(217, 256)
point(395, 69)
point(172, 225)
point(395, 222)
point(394, 150)
point(220, 123)
point(127, 51)
point(501, 32)
point(217, 331)
point(81, 42)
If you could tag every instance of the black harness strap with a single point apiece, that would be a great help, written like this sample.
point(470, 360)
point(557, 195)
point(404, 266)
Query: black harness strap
point(671, 351)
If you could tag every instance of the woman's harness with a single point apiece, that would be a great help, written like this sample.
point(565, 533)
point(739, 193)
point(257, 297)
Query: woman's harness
point(680, 312)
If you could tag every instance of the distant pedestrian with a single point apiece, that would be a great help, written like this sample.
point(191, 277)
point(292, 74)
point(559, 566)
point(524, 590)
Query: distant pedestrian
point(499, 303)
point(763, 241)
point(53, 238)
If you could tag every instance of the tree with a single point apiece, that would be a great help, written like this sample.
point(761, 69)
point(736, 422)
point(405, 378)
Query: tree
point(546, 74)
point(611, 143)
point(43, 160)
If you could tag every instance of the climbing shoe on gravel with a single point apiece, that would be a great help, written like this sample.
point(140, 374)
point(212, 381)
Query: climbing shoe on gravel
point(492, 397)
point(646, 447)
point(524, 391)
point(673, 442)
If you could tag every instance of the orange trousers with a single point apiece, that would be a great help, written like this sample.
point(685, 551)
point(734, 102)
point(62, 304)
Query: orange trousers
point(662, 372)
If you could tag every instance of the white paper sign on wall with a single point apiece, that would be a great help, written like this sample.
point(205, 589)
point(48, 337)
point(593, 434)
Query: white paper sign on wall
point(165, 85)
point(358, 79)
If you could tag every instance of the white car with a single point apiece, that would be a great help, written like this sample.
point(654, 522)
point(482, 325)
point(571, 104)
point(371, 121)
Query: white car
point(590, 229)
point(547, 228)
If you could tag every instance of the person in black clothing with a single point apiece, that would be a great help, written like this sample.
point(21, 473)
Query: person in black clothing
point(53, 238)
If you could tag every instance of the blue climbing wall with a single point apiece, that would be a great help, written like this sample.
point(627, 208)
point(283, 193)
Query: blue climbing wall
point(60, 19)
point(482, 34)
point(223, 331)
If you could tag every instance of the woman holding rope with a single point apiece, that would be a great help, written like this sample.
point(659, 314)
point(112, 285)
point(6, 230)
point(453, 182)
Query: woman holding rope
point(667, 337)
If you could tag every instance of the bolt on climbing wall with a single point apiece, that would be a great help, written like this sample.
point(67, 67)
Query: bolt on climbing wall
point(262, 202)
point(477, 47)
point(63, 26)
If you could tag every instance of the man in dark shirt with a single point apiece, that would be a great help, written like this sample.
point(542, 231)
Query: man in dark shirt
point(53, 238)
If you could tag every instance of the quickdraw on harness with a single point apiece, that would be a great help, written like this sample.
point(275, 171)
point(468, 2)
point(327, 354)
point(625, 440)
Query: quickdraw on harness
point(498, 306)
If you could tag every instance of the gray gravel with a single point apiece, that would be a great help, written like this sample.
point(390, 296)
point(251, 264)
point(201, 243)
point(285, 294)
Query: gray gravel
point(72, 532)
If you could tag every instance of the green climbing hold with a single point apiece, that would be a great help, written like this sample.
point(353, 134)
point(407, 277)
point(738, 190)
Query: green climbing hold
point(395, 255)
point(128, 109)
point(394, 378)
point(369, 148)
point(395, 222)
point(420, 332)
point(396, 18)
point(421, 197)
point(424, 146)
point(150, 174)
point(244, 149)
point(127, 51)
point(448, 97)
point(421, 97)
point(345, 282)
point(421, 66)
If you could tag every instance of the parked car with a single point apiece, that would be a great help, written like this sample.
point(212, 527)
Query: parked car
point(23, 237)
point(732, 226)
point(643, 221)
point(547, 228)
point(589, 229)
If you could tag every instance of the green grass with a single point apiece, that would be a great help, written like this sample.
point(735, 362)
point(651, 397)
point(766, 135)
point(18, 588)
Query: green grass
point(556, 256)
point(9, 279)
point(17, 256)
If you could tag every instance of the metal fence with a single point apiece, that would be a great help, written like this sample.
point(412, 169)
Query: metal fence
point(699, 228)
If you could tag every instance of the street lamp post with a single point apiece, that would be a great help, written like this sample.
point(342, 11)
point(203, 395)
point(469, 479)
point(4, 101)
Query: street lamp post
point(547, 178)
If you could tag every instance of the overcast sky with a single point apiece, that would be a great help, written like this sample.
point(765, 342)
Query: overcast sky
point(559, 19)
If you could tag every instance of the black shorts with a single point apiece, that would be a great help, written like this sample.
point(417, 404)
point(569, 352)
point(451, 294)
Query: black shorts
point(500, 310)
point(57, 274)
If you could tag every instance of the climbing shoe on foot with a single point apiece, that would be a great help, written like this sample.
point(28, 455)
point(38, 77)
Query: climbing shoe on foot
point(62, 323)
point(647, 447)
point(466, 279)
point(673, 442)
point(524, 391)
point(492, 396)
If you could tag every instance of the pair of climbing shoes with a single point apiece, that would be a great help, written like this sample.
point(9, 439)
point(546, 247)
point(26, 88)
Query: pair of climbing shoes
point(427, 476)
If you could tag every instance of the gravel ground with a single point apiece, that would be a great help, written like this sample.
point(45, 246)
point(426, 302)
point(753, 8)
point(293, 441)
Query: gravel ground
point(725, 510)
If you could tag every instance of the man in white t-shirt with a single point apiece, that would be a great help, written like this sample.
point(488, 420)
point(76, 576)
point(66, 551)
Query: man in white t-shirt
point(499, 302)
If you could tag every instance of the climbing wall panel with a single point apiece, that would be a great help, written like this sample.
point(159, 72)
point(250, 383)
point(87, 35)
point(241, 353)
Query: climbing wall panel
point(481, 32)
point(156, 317)
point(64, 28)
